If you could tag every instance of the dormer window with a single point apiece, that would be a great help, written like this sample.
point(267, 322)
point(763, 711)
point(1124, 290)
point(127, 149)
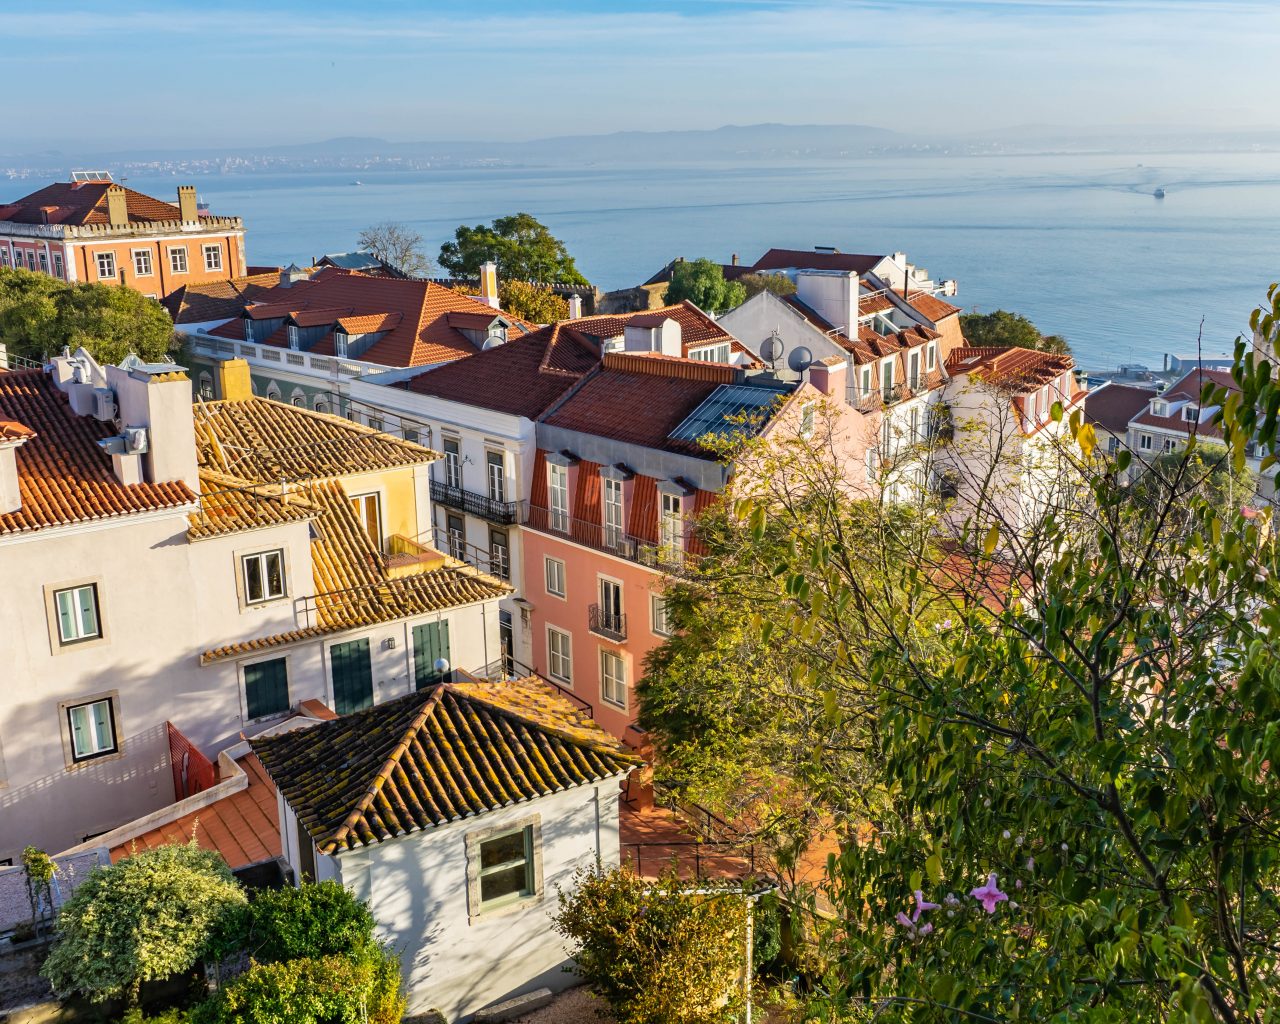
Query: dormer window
point(248, 329)
point(1159, 408)
point(498, 332)
point(1191, 414)
point(339, 343)
point(293, 337)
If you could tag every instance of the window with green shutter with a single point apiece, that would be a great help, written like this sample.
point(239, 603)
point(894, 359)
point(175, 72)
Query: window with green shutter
point(430, 645)
point(266, 688)
point(352, 676)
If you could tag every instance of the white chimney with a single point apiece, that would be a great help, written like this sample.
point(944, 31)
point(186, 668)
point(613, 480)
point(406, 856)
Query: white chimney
point(158, 400)
point(664, 338)
point(12, 437)
point(833, 295)
point(575, 306)
point(489, 284)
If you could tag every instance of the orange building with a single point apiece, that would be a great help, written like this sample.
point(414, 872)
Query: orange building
point(92, 229)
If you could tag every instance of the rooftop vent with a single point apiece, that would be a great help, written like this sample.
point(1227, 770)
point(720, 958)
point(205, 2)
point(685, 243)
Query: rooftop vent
point(825, 248)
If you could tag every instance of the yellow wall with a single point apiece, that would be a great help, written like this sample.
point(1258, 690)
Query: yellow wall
point(399, 496)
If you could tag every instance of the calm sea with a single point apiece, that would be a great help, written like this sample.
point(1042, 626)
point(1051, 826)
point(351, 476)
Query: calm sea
point(1078, 244)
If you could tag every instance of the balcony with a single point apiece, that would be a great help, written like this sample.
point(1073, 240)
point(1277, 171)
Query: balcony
point(495, 560)
point(610, 625)
point(406, 557)
point(672, 555)
point(479, 505)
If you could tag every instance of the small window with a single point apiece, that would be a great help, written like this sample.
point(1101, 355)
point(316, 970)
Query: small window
point(559, 655)
point(57, 264)
point(712, 353)
point(31, 261)
point(613, 679)
point(106, 265)
point(806, 419)
point(142, 262)
point(499, 555)
point(213, 257)
point(1144, 442)
point(506, 868)
point(411, 435)
point(375, 423)
point(612, 512)
point(452, 462)
point(497, 471)
point(661, 621)
point(178, 259)
point(340, 343)
point(206, 387)
point(320, 405)
point(297, 399)
point(1191, 414)
point(4, 257)
point(1159, 408)
point(555, 577)
point(263, 576)
point(266, 688)
point(1113, 445)
point(93, 729)
point(44, 262)
point(294, 341)
point(931, 356)
point(78, 617)
point(558, 496)
point(671, 526)
point(368, 509)
point(273, 392)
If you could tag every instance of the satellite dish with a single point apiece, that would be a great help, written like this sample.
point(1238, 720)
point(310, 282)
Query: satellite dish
point(799, 359)
point(771, 349)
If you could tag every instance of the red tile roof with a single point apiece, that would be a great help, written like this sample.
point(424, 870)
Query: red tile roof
point(423, 335)
point(1020, 369)
point(1113, 405)
point(218, 300)
point(1188, 389)
point(933, 307)
point(869, 345)
point(806, 259)
point(63, 476)
point(83, 203)
point(696, 328)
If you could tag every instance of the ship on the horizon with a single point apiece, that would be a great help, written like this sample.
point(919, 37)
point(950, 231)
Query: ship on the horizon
point(1159, 193)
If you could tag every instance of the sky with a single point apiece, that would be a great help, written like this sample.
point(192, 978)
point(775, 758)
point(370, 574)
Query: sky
point(122, 74)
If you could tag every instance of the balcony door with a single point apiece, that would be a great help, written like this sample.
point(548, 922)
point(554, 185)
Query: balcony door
point(611, 605)
point(456, 531)
point(497, 471)
point(368, 509)
point(612, 512)
point(352, 675)
point(452, 462)
point(431, 656)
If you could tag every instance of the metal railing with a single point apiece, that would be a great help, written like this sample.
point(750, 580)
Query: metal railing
point(495, 560)
point(474, 503)
point(610, 625)
point(667, 554)
point(523, 671)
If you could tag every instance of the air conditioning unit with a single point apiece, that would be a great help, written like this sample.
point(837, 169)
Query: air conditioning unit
point(135, 440)
point(104, 404)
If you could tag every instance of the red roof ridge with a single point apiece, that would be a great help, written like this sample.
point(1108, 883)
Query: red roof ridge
point(669, 366)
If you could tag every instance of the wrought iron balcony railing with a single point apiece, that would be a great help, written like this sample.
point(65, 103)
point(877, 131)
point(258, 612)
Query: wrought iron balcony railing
point(610, 625)
point(473, 503)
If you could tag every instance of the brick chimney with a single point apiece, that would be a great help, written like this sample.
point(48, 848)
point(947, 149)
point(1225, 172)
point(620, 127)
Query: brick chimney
point(575, 306)
point(117, 206)
point(187, 210)
point(489, 284)
point(829, 375)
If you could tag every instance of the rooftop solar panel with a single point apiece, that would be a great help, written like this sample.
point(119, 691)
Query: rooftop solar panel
point(721, 412)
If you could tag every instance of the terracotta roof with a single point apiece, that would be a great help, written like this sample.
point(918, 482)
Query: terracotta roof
point(217, 300)
point(63, 476)
point(522, 378)
point(1187, 389)
point(230, 504)
point(869, 345)
point(1113, 405)
point(11, 430)
point(83, 203)
point(370, 323)
point(931, 306)
point(244, 827)
point(422, 336)
point(265, 441)
point(696, 328)
point(1019, 369)
point(452, 751)
point(806, 259)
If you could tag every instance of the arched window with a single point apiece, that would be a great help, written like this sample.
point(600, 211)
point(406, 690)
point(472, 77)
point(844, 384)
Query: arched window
point(273, 391)
point(320, 405)
point(206, 387)
point(298, 399)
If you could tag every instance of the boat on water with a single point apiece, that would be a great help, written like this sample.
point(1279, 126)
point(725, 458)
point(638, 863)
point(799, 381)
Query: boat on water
point(1158, 193)
point(357, 183)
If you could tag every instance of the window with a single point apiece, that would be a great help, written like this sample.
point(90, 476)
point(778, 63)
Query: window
point(340, 343)
point(806, 419)
point(658, 611)
point(213, 257)
point(368, 509)
point(497, 476)
point(294, 341)
point(931, 356)
point(612, 512)
point(93, 729)
point(266, 688)
point(44, 262)
point(78, 613)
point(1191, 414)
point(263, 576)
point(886, 371)
point(1168, 445)
point(866, 381)
point(142, 262)
point(1113, 445)
point(555, 576)
point(671, 526)
point(452, 462)
point(506, 868)
point(31, 261)
point(456, 532)
point(499, 555)
point(320, 405)
point(206, 387)
point(558, 496)
point(106, 264)
point(611, 621)
point(559, 655)
point(712, 353)
point(411, 435)
point(178, 259)
point(4, 257)
point(297, 399)
point(613, 679)
point(913, 370)
point(431, 654)
point(1144, 442)
point(375, 423)
point(869, 456)
point(1159, 408)
point(273, 392)
point(57, 265)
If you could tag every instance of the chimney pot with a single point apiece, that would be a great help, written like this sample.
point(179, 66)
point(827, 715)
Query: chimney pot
point(575, 306)
point(489, 284)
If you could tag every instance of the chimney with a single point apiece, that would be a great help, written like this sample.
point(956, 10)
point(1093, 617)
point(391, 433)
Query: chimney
point(829, 375)
point(665, 338)
point(154, 404)
point(489, 284)
point(234, 382)
point(117, 206)
point(12, 437)
point(291, 275)
point(575, 306)
point(187, 209)
point(734, 259)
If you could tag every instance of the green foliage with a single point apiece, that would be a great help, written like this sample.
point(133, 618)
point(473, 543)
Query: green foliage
point(39, 868)
point(172, 1015)
point(1003, 328)
point(148, 917)
point(702, 283)
point(522, 247)
point(314, 920)
point(535, 303)
point(754, 284)
point(39, 315)
point(656, 953)
point(355, 988)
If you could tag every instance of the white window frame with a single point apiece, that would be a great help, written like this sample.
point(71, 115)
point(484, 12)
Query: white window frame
point(931, 357)
point(913, 369)
point(105, 260)
point(1191, 413)
point(44, 262)
point(867, 381)
point(359, 505)
point(99, 747)
point(496, 474)
point(670, 524)
point(340, 339)
point(558, 497)
point(205, 383)
point(178, 259)
point(141, 258)
point(212, 249)
point(659, 619)
point(1144, 442)
point(58, 269)
point(611, 492)
point(609, 682)
point(560, 656)
point(718, 353)
point(80, 632)
point(547, 573)
point(452, 461)
point(268, 594)
point(294, 341)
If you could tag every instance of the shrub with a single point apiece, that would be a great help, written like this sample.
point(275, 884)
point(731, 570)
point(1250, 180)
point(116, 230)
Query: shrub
point(315, 920)
point(148, 917)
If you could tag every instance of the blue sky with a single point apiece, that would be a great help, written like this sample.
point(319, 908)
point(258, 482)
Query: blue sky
point(123, 74)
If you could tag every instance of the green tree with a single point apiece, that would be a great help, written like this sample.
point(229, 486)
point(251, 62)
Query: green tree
point(313, 920)
point(779, 284)
point(535, 303)
point(148, 917)
point(522, 247)
point(40, 315)
point(702, 282)
point(1005, 329)
point(656, 952)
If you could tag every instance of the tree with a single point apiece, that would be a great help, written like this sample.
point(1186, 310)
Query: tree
point(522, 247)
point(779, 284)
point(535, 303)
point(40, 315)
point(1061, 730)
point(148, 917)
point(1005, 329)
point(314, 920)
point(702, 282)
point(398, 245)
point(656, 952)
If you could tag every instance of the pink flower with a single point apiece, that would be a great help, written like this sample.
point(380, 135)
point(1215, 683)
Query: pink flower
point(989, 895)
point(921, 906)
point(905, 921)
point(925, 929)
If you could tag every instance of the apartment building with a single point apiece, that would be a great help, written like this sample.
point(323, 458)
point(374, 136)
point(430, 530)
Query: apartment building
point(201, 570)
point(91, 229)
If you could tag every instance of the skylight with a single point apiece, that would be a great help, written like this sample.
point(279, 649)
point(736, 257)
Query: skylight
point(722, 412)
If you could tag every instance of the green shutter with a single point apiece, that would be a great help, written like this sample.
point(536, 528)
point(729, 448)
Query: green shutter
point(266, 688)
point(352, 676)
point(430, 644)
